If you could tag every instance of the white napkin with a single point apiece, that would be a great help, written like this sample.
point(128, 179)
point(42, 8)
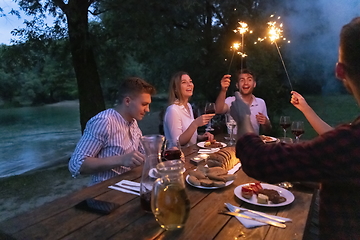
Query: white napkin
point(235, 168)
point(208, 150)
point(248, 223)
point(127, 187)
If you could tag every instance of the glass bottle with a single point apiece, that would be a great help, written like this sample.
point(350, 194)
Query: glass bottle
point(169, 201)
point(152, 145)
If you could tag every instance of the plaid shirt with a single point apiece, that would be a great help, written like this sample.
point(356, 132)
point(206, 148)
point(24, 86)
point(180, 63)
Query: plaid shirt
point(333, 159)
point(106, 134)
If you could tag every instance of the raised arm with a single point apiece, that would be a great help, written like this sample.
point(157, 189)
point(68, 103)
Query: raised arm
point(220, 105)
point(316, 122)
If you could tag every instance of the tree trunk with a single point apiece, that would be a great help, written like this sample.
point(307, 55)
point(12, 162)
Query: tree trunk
point(89, 89)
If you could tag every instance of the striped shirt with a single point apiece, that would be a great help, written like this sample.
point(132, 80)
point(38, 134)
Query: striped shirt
point(106, 134)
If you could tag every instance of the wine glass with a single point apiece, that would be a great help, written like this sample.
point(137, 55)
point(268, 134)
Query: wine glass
point(230, 124)
point(209, 109)
point(297, 128)
point(285, 123)
point(171, 151)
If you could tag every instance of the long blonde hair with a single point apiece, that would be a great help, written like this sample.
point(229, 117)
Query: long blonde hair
point(175, 88)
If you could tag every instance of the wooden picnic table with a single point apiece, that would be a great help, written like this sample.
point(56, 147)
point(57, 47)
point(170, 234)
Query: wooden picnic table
point(59, 219)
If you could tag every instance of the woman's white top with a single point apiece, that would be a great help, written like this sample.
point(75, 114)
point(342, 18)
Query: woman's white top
point(177, 119)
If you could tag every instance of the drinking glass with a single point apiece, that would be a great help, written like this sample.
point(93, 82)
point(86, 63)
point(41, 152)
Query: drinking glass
point(230, 124)
point(172, 151)
point(285, 123)
point(297, 128)
point(209, 109)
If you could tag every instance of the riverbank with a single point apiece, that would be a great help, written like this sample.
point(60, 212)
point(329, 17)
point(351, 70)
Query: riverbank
point(24, 192)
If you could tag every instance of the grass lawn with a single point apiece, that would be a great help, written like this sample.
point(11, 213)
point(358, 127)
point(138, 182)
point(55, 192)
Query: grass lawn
point(333, 109)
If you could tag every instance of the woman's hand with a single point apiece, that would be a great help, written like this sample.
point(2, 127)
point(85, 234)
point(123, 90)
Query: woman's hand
point(203, 119)
point(207, 136)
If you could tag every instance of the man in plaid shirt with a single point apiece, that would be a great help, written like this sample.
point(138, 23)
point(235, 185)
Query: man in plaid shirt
point(332, 158)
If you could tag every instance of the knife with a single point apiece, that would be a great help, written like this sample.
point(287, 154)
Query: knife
point(263, 215)
point(273, 223)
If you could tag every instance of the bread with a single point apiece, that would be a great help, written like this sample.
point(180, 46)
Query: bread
point(197, 174)
point(193, 180)
point(224, 158)
point(206, 182)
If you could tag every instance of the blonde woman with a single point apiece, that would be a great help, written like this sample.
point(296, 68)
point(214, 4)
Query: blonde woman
point(179, 122)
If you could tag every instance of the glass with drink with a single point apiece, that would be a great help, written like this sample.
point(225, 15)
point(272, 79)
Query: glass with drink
point(169, 201)
point(172, 151)
point(230, 124)
point(297, 128)
point(285, 123)
point(209, 109)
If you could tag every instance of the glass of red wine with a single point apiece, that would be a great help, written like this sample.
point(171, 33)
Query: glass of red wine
point(297, 128)
point(285, 123)
point(209, 109)
point(171, 151)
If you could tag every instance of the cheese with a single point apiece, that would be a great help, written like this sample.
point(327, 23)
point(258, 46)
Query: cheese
point(262, 199)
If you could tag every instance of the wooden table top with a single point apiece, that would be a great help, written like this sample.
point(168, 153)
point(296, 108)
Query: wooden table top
point(60, 220)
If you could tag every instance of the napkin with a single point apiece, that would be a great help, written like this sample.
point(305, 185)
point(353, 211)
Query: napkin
point(127, 187)
point(235, 168)
point(208, 150)
point(248, 223)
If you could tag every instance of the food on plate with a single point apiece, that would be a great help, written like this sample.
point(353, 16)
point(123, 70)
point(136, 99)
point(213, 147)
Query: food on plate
point(212, 144)
point(262, 199)
point(267, 138)
point(273, 196)
point(193, 180)
point(246, 192)
point(224, 158)
point(197, 174)
point(210, 177)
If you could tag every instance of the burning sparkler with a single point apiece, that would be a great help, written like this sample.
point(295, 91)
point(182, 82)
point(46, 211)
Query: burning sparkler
point(275, 33)
point(242, 30)
point(234, 47)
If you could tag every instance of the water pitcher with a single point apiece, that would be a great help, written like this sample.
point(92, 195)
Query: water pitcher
point(152, 145)
point(169, 201)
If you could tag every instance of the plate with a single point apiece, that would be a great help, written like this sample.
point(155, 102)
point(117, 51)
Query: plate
point(203, 187)
point(202, 145)
point(253, 200)
point(268, 139)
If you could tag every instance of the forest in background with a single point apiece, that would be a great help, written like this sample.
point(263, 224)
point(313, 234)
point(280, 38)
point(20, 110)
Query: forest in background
point(150, 40)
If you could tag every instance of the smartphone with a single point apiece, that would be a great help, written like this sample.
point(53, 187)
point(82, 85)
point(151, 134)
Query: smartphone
point(97, 206)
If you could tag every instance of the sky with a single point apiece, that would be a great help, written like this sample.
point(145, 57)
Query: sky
point(9, 22)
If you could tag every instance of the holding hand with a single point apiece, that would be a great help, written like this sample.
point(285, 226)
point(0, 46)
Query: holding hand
point(133, 159)
point(299, 101)
point(225, 82)
point(203, 119)
point(207, 136)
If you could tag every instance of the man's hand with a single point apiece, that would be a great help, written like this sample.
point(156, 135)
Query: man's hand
point(261, 118)
point(225, 82)
point(133, 159)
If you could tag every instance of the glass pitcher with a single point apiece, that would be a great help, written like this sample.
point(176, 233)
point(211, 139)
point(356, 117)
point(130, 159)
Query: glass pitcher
point(169, 201)
point(152, 145)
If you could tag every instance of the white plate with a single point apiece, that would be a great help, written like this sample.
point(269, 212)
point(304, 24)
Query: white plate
point(253, 200)
point(202, 145)
point(271, 139)
point(203, 187)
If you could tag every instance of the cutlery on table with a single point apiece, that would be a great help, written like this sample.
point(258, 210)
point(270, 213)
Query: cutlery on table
point(127, 186)
point(273, 223)
point(237, 210)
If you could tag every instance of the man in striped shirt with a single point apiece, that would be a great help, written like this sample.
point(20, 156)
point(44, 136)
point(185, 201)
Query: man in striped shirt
point(111, 143)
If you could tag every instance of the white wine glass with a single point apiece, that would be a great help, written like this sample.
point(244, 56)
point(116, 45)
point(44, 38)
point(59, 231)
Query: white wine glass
point(230, 124)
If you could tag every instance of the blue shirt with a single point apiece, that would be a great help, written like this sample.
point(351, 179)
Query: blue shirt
point(106, 134)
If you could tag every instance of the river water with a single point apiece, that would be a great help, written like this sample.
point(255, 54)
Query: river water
point(37, 137)
point(40, 137)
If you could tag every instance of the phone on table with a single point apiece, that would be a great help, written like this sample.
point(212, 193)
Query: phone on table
point(97, 206)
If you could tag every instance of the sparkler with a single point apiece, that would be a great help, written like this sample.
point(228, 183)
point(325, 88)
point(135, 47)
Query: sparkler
point(275, 33)
point(235, 46)
point(242, 30)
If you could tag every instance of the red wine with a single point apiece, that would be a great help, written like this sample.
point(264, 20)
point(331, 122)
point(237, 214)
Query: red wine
point(172, 154)
point(285, 125)
point(297, 132)
point(210, 111)
point(145, 200)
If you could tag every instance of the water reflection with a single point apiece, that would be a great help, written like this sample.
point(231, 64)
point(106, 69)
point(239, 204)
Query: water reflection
point(34, 137)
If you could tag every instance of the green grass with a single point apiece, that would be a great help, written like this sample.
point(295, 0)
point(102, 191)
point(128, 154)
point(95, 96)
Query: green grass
point(333, 109)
